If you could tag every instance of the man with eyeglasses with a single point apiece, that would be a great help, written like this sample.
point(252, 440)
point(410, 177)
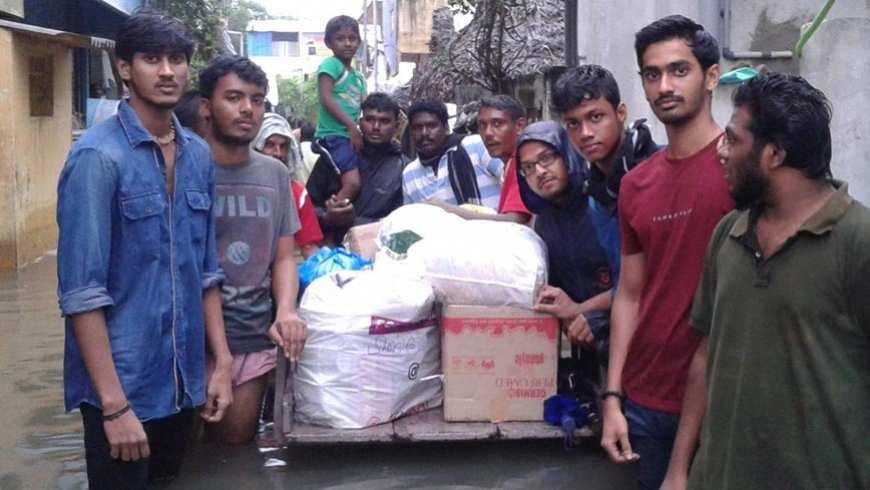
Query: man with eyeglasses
point(552, 176)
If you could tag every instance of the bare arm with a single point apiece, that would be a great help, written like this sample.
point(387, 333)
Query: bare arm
point(623, 323)
point(691, 418)
point(219, 391)
point(350, 186)
point(325, 85)
point(288, 331)
point(510, 217)
point(125, 434)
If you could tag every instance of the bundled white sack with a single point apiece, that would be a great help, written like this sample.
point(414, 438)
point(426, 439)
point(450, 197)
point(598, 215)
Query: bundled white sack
point(373, 351)
point(483, 263)
point(424, 220)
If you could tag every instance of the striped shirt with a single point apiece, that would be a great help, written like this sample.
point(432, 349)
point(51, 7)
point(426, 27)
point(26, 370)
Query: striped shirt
point(420, 184)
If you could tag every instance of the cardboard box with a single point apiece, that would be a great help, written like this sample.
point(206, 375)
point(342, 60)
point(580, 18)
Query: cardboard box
point(499, 363)
point(362, 240)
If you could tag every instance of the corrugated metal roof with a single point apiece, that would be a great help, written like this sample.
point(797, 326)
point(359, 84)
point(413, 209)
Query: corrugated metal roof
point(68, 38)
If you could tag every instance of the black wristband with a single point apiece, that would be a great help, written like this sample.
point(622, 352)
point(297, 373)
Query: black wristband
point(608, 394)
point(113, 416)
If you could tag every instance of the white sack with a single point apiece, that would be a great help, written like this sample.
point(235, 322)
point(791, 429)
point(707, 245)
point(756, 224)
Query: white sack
point(423, 219)
point(483, 263)
point(359, 369)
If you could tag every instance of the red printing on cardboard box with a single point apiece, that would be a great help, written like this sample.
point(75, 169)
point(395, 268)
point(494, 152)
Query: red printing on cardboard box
point(527, 394)
point(527, 359)
point(496, 326)
point(511, 383)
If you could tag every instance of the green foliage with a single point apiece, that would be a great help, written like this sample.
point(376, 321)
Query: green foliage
point(202, 19)
point(243, 11)
point(299, 97)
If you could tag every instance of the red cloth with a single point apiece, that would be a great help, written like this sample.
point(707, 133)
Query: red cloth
point(310, 231)
point(668, 210)
point(510, 201)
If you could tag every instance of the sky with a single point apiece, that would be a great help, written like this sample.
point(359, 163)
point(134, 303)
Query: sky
point(313, 9)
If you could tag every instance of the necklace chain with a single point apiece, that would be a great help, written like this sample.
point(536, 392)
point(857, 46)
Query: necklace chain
point(167, 138)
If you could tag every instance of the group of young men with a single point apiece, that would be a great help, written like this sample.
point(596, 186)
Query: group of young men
point(744, 339)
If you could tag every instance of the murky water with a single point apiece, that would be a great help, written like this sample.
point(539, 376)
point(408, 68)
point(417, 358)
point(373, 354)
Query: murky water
point(41, 445)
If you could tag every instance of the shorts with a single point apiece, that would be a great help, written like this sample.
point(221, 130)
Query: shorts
point(249, 365)
point(342, 152)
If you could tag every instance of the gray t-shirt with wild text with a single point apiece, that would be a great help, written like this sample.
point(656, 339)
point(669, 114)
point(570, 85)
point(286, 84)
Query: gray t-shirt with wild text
point(254, 209)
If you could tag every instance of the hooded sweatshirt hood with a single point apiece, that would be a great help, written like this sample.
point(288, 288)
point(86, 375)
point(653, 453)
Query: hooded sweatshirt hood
point(577, 262)
point(553, 134)
point(637, 145)
point(275, 124)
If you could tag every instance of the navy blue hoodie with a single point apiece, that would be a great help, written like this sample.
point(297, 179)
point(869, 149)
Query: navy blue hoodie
point(577, 262)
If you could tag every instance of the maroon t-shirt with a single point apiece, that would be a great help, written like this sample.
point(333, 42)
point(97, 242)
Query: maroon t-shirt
point(668, 210)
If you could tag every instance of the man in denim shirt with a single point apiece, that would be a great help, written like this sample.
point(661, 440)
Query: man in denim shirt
point(138, 270)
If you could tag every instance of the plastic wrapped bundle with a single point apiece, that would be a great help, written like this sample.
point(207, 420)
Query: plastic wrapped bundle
point(483, 263)
point(372, 353)
point(413, 222)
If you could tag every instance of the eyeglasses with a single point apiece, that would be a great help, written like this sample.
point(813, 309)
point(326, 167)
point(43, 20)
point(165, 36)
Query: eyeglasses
point(545, 160)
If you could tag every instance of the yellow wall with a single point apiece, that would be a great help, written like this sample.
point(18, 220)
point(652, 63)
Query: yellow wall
point(32, 149)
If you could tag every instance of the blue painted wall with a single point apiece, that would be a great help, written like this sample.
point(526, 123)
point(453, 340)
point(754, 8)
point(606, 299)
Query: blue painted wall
point(259, 43)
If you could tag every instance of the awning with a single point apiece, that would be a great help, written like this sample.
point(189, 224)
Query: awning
point(69, 38)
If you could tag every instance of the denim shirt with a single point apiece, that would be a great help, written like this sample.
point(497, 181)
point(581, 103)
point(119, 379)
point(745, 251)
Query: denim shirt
point(145, 258)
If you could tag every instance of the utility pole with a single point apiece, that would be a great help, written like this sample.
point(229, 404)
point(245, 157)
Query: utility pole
point(377, 51)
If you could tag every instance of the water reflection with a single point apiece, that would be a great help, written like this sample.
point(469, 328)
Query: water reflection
point(41, 445)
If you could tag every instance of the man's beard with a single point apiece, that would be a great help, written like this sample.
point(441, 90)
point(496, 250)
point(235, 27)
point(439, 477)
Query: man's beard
point(753, 186)
point(228, 139)
point(686, 117)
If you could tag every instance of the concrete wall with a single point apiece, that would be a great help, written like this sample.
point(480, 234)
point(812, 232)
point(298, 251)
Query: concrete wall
point(836, 61)
point(32, 149)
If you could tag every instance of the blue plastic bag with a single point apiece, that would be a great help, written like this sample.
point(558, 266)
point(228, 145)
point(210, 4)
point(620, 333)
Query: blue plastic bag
point(328, 260)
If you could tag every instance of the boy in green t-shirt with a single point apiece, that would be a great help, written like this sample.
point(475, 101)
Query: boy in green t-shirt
point(341, 90)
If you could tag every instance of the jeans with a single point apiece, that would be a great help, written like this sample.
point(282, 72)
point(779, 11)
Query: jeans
point(651, 434)
point(167, 440)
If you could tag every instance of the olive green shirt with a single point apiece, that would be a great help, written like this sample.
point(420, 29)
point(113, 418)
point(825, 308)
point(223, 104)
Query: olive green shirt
point(788, 374)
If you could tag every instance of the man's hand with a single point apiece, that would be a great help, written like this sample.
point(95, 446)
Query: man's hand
point(579, 331)
point(126, 436)
point(219, 392)
point(356, 138)
point(556, 302)
point(338, 213)
point(289, 332)
point(614, 434)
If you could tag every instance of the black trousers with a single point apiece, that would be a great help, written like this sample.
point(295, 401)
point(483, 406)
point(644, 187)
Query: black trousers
point(167, 440)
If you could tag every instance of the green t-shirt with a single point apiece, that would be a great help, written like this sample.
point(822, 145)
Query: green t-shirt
point(348, 92)
point(788, 373)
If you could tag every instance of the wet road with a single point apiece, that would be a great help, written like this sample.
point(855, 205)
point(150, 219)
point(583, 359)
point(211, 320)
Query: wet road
point(41, 447)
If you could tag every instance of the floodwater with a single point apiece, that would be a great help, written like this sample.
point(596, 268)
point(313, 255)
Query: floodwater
point(41, 445)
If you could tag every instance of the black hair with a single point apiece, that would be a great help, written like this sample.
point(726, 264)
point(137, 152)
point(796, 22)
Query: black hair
point(704, 45)
point(792, 114)
point(187, 109)
point(380, 101)
point(244, 68)
point(152, 31)
point(431, 106)
point(585, 82)
point(306, 131)
point(338, 23)
point(504, 103)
